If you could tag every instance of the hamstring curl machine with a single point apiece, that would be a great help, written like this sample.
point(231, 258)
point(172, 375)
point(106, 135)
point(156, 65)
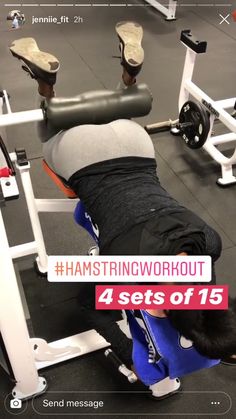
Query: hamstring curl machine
point(197, 117)
point(25, 355)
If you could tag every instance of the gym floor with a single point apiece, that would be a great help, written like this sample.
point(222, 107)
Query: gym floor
point(86, 51)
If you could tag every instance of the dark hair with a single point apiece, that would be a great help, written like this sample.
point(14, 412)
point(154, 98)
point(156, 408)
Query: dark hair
point(213, 332)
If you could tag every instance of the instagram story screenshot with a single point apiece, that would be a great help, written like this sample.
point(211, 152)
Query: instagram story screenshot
point(118, 209)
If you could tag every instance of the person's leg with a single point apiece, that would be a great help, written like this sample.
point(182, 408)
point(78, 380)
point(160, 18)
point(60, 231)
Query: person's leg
point(130, 35)
point(213, 247)
point(44, 129)
point(42, 67)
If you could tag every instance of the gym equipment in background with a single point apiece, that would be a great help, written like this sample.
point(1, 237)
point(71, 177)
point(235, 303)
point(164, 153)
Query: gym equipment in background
point(168, 9)
point(198, 115)
point(8, 185)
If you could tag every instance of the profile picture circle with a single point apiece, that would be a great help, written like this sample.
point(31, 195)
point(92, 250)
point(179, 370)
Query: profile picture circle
point(17, 17)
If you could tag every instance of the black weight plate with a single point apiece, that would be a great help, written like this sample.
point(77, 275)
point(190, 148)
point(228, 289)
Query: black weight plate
point(194, 124)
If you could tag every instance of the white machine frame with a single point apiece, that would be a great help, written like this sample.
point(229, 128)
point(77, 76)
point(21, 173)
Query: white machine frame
point(216, 109)
point(188, 87)
point(28, 355)
point(168, 11)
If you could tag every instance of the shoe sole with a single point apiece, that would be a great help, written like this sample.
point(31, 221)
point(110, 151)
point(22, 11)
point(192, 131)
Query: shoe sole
point(130, 35)
point(27, 50)
point(172, 393)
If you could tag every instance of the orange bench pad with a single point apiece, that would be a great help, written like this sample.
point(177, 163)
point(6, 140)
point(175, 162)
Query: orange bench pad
point(57, 180)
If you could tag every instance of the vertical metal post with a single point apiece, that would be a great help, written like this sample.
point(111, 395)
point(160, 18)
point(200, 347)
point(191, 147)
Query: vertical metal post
point(187, 75)
point(13, 326)
point(171, 10)
point(42, 259)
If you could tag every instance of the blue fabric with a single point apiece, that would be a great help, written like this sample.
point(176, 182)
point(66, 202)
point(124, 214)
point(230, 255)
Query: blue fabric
point(159, 351)
point(84, 220)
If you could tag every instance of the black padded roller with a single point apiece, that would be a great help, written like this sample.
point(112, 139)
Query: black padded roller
point(99, 107)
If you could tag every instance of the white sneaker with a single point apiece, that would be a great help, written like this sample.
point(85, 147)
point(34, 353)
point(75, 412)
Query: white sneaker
point(165, 388)
point(130, 35)
point(93, 251)
point(39, 64)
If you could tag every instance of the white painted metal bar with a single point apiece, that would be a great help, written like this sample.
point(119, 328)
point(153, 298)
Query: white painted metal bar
point(7, 103)
point(217, 155)
point(198, 94)
point(34, 217)
point(226, 163)
point(13, 157)
point(224, 138)
point(168, 12)
point(25, 249)
point(83, 343)
point(226, 103)
point(189, 64)
point(56, 205)
point(13, 326)
point(228, 177)
point(171, 15)
point(21, 117)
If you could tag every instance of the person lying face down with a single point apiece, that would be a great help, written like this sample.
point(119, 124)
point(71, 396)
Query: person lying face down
point(112, 169)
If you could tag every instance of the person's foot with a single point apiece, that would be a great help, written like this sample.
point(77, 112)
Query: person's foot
point(130, 35)
point(165, 388)
point(39, 64)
